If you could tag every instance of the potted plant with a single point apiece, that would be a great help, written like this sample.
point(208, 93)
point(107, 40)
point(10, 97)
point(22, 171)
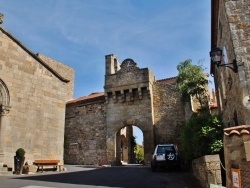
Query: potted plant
point(19, 160)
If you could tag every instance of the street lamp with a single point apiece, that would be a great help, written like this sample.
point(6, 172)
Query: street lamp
point(216, 55)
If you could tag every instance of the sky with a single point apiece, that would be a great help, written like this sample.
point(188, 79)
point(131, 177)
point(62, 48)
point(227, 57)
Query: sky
point(157, 34)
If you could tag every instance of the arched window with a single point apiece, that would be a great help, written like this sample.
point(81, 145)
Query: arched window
point(4, 99)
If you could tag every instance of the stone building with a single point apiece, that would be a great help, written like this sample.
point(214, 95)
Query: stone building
point(132, 97)
point(33, 93)
point(230, 30)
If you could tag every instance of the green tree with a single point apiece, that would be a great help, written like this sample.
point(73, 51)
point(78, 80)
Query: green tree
point(202, 133)
point(192, 81)
point(139, 153)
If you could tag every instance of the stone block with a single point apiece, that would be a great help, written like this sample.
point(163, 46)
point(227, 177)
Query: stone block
point(32, 168)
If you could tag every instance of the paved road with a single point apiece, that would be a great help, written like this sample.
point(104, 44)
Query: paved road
point(82, 176)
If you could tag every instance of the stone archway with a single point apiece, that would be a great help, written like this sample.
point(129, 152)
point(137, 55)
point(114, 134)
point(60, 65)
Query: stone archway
point(4, 99)
point(119, 145)
point(4, 109)
point(114, 141)
point(124, 135)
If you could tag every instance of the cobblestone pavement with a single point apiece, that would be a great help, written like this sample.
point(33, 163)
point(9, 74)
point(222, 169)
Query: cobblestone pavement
point(91, 176)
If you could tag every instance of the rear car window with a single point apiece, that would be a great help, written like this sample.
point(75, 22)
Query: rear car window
point(163, 149)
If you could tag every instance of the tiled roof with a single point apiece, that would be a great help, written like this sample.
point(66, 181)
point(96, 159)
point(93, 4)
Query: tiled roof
point(91, 97)
point(213, 105)
point(168, 80)
point(237, 130)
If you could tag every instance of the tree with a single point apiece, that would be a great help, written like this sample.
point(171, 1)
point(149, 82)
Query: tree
point(139, 153)
point(192, 81)
point(202, 133)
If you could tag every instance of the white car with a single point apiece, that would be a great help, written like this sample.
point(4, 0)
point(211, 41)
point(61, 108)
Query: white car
point(165, 155)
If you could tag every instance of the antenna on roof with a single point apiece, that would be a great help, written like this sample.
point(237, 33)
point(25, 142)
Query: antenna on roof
point(1, 18)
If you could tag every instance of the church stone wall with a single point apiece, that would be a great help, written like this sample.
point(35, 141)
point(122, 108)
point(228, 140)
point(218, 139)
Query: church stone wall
point(63, 70)
point(37, 96)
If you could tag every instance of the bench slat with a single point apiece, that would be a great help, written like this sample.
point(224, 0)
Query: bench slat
point(46, 161)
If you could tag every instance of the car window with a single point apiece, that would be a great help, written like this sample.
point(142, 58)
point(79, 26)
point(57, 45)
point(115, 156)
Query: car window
point(163, 149)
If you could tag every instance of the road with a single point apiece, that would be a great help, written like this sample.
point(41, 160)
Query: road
point(122, 177)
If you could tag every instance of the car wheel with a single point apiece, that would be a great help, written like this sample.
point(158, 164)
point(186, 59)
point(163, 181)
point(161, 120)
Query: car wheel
point(169, 156)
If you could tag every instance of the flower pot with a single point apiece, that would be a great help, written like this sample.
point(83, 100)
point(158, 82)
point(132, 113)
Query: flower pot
point(18, 162)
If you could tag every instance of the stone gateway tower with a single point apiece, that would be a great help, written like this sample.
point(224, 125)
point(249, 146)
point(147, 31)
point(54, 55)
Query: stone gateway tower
point(132, 97)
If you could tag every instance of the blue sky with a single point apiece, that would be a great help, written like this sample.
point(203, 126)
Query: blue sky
point(157, 34)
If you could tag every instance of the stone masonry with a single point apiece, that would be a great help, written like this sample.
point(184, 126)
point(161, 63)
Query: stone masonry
point(231, 33)
point(207, 170)
point(131, 97)
point(237, 154)
point(33, 92)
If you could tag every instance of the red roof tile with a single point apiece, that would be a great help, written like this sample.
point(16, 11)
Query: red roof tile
point(90, 97)
point(168, 80)
point(237, 130)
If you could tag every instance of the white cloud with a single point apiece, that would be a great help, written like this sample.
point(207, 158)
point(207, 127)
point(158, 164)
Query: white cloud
point(157, 34)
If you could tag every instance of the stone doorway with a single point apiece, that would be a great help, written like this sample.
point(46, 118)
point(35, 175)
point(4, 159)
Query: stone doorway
point(127, 145)
point(118, 146)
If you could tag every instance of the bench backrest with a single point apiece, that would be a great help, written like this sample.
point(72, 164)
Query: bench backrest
point(47, 161)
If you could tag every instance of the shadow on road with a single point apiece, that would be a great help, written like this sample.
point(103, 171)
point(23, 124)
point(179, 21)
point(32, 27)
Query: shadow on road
point(122, 176)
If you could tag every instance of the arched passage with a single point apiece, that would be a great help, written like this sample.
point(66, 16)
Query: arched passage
point(128, 150)
point(113, 141)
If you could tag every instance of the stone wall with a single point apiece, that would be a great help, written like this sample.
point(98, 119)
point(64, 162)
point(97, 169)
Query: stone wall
point(231, 32)
point(85, 128)
point(236, 153)
point(128, 113)
point(169, 112)
point(207, 170)
point(232, 36)
point(36, 95)
point(66, 71)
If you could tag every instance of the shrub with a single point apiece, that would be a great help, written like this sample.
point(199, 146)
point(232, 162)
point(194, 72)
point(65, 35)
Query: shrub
point(20, 152)
point(202, 135)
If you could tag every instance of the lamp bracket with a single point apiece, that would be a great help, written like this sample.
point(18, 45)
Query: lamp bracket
point(228, 65)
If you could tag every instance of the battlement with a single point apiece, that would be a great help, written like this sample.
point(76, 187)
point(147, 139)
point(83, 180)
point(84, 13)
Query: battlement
point(128, 95)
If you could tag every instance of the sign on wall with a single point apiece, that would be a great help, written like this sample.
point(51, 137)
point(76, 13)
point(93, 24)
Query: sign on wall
point(216, 186)
point(74, 149)
point(236, 178)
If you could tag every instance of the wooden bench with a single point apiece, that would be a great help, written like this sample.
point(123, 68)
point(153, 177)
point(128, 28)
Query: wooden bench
point(48, 162)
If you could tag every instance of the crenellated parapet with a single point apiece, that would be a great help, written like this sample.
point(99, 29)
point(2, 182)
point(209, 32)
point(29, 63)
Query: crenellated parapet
point(128, 95)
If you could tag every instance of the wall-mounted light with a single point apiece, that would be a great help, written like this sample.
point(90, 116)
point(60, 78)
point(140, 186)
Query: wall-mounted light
point(216, 55)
